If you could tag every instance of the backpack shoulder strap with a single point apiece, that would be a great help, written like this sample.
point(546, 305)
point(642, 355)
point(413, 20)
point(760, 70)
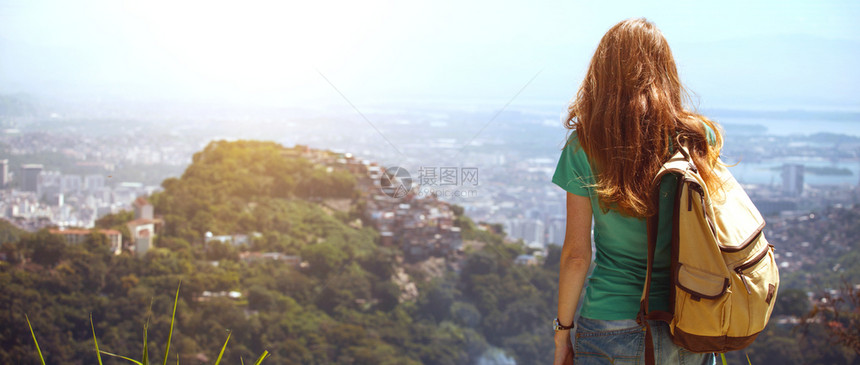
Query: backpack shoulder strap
point(678, 164)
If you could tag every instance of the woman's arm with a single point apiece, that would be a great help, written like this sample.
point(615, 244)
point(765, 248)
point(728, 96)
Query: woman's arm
point(575, 261)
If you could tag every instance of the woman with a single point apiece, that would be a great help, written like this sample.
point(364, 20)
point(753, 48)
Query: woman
point(625, 118)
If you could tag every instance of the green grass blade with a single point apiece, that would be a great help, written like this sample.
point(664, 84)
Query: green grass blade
point(34, 339)
point(723, 356)
point(748, 359)
point(263, 356)
point(221, 354)
point(95, 340)
point(241, 360)
point(172, 319)
point(145, 357)
point(121, 357)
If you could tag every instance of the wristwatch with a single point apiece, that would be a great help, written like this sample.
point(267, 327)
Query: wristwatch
point(559, 327)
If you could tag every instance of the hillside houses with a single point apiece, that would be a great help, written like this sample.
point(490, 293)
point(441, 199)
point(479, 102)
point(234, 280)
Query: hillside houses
point(422, 226)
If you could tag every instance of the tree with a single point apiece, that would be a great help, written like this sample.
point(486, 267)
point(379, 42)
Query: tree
point(114, 220)
point(839, 314)
point(791, 302)
point(45, 248)
point(437, 300)
point(118, 222)
point(9, 233)
point(323, 258)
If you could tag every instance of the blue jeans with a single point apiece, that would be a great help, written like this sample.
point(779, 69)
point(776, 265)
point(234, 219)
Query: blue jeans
point(623, 342)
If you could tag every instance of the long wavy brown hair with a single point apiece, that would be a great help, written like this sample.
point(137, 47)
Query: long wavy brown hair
point(628, 113)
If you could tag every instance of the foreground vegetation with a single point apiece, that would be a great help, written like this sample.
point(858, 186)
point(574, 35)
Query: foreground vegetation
point(144, 357)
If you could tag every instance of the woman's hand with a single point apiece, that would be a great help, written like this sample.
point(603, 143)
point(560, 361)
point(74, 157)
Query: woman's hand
point(563, 348)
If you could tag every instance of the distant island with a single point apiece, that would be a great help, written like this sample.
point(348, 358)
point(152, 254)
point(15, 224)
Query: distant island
point(821, 170)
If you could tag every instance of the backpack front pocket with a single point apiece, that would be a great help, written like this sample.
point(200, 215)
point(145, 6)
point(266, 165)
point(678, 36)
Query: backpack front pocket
point(759, 279)
point(701, 304)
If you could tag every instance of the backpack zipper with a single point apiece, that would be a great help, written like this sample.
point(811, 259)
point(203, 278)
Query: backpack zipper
point(740, 269)
point(694, 186)
point(747, 242)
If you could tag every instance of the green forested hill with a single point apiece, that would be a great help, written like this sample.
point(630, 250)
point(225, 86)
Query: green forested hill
point(343, 307)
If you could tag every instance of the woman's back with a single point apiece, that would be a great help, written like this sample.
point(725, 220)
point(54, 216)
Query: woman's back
point(626, 118)
point(615, 286)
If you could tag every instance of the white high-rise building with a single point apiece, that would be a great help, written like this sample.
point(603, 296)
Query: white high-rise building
point(29, 180)
point(4, 173)
point(555, 230)
point(531, 231)
point(534, 232)
point(792, 179)
point(70, 183)
point(94, 182)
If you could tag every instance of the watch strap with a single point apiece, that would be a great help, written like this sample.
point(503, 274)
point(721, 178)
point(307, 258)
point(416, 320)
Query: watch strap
point(557, 326)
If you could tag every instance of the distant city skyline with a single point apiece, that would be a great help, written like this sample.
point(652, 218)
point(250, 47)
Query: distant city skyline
point(732, 54)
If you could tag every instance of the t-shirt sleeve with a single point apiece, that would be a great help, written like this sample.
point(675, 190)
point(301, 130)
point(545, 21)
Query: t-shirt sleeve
point(571, 169)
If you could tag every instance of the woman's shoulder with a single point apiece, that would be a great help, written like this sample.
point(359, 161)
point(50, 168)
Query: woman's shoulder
point(573, 172)
point(574, 149)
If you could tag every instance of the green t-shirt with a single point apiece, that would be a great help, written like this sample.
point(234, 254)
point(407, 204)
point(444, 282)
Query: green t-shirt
point(615, 286)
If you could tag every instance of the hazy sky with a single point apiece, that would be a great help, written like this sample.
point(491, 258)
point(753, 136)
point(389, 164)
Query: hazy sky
point(744, 54)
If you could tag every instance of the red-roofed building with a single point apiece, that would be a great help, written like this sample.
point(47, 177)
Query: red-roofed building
point(142, 208)
point(75, 236)
point(143, 227)
point(142, 231)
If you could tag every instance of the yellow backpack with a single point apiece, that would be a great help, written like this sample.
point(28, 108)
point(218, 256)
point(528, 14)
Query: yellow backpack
point(724, 278)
